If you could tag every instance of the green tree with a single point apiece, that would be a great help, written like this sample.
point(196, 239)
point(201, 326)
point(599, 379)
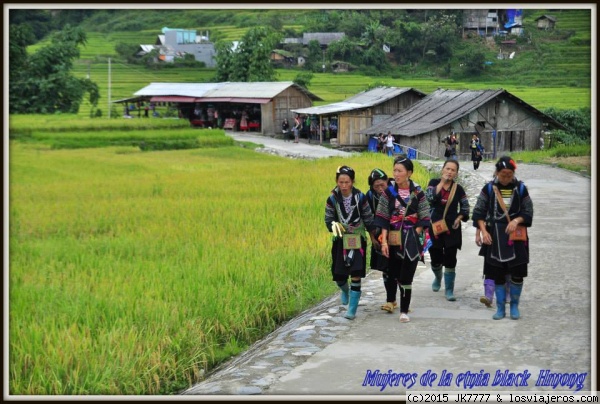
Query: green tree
point(439, 34)
point(39, 21)
point(315, 57)
point(45, 84)
point(224, 60)
point(375, 34)
point(303, 79)
point(472, 59)
point(126, 51)
point(374, 57)
point(406, 42)
point(577, 121)
point(251, 61)
point(340, 50)
point(412, 41)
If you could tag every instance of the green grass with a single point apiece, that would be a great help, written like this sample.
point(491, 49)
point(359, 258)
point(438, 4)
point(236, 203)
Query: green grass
point(554, 155)
point(144, 139)
point(25, 124)
point(133, 272)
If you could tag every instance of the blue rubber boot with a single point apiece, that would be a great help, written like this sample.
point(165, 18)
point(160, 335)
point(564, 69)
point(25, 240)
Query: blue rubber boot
point(345, 290)
point(449, 276)
point(515, 294)
point(500, 302)
point(437, 281)
point(354, 298)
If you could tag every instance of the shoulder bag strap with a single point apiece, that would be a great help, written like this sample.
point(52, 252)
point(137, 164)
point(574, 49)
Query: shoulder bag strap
point(452, 192)
point(501, 202)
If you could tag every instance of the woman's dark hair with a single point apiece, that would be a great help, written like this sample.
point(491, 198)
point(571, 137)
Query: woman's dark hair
point(506, 162)
point(405, 161)
point(452, 161)
point(375, 175)
point(344, 170)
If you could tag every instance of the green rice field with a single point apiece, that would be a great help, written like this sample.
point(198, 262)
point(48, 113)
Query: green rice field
point(134, 272)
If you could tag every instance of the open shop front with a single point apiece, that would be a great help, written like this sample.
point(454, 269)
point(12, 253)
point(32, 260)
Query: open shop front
point(233, 114)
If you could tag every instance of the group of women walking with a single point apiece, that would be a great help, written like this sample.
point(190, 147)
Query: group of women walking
point(399, 216)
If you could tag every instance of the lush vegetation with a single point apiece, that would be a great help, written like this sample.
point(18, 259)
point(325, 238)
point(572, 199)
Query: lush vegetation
point(133, 272)
point(575, 158)
point(43, 82)
point(551, 69)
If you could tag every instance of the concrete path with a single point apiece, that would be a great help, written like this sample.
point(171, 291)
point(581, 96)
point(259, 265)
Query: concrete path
point(303, 149)
point(320, 353)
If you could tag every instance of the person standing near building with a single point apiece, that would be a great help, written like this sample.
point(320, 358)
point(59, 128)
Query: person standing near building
point(296, 128)
point(402, 215)
point(476, 151)
point(506, 204)
point(349, 217)
point(389, 144)
point(285, 128)
point(449, 206)
point(451, 143)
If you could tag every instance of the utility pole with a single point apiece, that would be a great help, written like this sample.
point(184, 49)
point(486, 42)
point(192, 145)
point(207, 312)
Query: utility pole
point(108, 88)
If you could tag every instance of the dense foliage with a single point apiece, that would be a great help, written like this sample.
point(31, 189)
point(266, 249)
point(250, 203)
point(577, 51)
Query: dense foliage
point(404, 44)
point(250, 61)
point(578, 124)
point(42, 82)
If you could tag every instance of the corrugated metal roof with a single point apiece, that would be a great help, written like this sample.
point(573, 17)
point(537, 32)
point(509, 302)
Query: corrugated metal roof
point(324, 38)
point(365, 99)
point(438, 109)
point(253, 90)
point(181, 89)
point(172, 98)
point(441, 108)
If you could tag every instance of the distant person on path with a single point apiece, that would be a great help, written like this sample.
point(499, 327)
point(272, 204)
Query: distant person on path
point(349, 217)
point(285, 129)
point(381, 139)
point(389, 144)
point(333, 128)
point(507, 206)
point(449, 205)
point(378, 182)
point(402, 215)
point(296, 128)
point(451, 143)
point(476, 151)
point(244, 121)
point(314, 130)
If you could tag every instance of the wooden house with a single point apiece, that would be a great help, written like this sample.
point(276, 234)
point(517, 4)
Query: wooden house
point(503, 122)
point(282, 58)
point(265, 104)
point(546, 22)
point(362, 111)
point(480, 22)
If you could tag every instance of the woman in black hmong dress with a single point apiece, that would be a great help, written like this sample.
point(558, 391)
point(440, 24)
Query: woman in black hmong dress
point(504, 258)
point(445, 246)
point(402, 213)
point(349, 217)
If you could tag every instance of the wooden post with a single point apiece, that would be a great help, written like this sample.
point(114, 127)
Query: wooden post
point(321, 129)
